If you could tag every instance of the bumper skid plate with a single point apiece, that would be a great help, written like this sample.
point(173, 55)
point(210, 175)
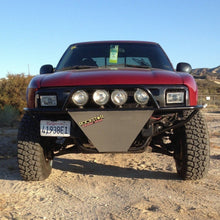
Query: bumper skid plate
point(111, 131)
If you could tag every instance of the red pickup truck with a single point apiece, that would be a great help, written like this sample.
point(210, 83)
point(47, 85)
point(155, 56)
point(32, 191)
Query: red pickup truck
point(113, 96)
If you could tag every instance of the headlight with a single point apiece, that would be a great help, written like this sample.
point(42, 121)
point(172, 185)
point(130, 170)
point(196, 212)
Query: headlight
point(101, 97)
point(175, 97)
point(48, 100)
point(141, 97)
point(119, 97)
point(80, 97)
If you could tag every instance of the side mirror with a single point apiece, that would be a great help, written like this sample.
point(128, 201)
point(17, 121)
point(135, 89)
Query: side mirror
point(183, 67)
point(46, 69)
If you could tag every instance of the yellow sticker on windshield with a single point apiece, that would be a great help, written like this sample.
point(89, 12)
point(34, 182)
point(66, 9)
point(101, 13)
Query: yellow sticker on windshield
point(113, 58)
point(73, 47)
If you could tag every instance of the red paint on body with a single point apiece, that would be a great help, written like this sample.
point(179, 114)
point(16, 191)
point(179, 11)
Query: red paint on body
point(115, 76)
point(126, 76)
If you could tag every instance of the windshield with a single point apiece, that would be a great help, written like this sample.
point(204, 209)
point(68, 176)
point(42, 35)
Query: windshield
point(103, 55)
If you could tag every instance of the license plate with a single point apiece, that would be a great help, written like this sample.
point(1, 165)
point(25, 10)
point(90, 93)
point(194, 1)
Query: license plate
point(55, 128)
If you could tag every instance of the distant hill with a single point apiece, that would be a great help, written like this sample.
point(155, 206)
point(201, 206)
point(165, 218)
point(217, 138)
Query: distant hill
point(208, 80)
point(207, 73)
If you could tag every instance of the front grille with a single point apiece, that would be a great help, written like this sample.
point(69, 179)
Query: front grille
point(157, 96)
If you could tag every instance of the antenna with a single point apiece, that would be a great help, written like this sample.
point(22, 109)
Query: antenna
point(28, 69)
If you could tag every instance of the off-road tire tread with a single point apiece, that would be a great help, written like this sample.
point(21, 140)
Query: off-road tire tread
point(196, 149)
point(31, 159)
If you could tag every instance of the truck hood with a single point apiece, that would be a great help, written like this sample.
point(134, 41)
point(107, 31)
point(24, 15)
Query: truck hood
point(126, 76)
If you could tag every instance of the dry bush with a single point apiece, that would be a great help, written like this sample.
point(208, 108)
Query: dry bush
point(13, 91)
point(8, 116)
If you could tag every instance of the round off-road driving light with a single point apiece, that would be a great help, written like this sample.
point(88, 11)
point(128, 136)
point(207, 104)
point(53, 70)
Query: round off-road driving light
point(141, 97)
point(100, 97)
point(80, 98)
point(119, 97)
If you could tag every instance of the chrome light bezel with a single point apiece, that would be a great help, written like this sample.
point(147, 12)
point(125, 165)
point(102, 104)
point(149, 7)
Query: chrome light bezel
point(141, 97)
point(101, 97)
point(177, 97)
point(119, 97)
point(48, 100)
point(80, 98)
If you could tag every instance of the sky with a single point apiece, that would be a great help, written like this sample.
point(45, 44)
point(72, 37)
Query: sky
point(37, 32)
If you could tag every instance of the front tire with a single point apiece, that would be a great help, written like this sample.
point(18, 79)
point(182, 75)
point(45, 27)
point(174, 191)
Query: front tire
point(192, 152)
point(35, 163)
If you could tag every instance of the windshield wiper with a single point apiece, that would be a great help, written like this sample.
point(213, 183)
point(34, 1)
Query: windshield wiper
point(78, 67)
point(138, 66)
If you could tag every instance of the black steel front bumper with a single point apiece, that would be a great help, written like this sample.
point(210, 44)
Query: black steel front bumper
point(114, 130)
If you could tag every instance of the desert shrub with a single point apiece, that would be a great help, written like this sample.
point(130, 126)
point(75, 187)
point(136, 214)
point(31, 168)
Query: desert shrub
point(9, 116)
point(13, 91)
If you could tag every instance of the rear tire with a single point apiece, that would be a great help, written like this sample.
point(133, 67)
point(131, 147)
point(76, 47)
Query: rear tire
point(192, 153)
point(33, 160)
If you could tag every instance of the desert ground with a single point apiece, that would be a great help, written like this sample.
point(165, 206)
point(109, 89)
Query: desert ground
point(110, 186)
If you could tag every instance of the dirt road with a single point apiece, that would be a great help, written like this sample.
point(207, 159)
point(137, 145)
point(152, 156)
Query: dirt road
point(110, 186)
